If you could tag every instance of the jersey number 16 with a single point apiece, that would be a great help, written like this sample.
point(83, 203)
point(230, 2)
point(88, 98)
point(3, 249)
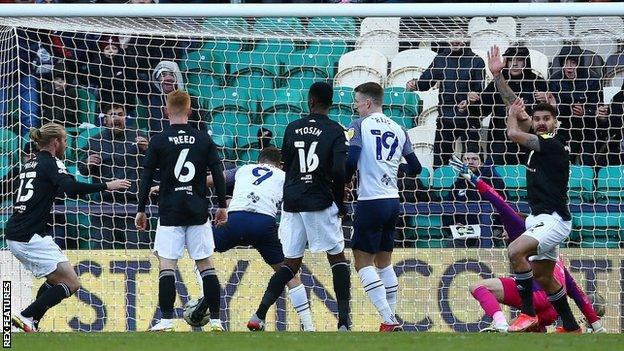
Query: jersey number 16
point(308, 161)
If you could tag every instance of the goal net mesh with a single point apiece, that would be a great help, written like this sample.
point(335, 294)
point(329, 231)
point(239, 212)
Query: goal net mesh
point(105, 79)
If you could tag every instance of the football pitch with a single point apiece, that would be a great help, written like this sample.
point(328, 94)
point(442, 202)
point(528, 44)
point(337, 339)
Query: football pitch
point(314, 341)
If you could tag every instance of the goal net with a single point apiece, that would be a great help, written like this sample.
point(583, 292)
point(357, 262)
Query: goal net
point(104, 79)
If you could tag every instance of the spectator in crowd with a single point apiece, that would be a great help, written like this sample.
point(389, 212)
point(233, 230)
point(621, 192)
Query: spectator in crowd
point(577, 95)
point(167, 77)
point(265, 138)
point(462, 192)
point(459, 75)
point(114, 76)
point(35, 61)
point(116, 152)
point(527, 85)
point(610, 143)
point(58, 97)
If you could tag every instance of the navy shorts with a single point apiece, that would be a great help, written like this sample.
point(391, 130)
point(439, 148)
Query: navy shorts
point(374, 225)
point(250, 229)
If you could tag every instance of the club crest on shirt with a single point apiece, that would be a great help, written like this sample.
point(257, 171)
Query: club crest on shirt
point(61, 166)
point(350, 133)
point(547, 135)
point(386, 179)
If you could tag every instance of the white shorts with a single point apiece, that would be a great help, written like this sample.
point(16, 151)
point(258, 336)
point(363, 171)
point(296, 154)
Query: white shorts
point(320, 230)
point(170, 241)
point(40, 255)
point(549, 230)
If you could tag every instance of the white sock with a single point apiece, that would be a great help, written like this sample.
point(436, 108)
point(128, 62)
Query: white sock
point(389, 278)
point(299, 300)
point(374, 288)
point(499, 318)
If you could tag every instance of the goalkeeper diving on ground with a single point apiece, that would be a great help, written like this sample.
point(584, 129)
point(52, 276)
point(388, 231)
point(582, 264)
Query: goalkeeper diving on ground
point(490, 292)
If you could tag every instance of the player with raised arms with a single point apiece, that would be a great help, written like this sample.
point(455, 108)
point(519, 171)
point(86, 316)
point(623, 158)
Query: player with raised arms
point(376, 146)
point(491, 292)
point(535, 252)
point(183, 155)
point(314, 152)
point(252, 222)
point(42, 178)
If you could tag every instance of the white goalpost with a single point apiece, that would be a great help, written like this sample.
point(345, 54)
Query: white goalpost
point(248, 68)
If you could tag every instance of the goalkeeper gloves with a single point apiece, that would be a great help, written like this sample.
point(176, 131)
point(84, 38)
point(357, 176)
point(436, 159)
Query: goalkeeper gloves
point(463, 170)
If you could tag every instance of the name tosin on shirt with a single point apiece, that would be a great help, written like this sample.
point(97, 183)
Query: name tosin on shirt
point(308, 130)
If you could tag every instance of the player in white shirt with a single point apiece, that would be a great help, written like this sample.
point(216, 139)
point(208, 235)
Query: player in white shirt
point(251, 221)
point(376, 146)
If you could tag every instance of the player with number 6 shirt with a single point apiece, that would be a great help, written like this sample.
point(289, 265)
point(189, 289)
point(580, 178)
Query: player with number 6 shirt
point(183, 155)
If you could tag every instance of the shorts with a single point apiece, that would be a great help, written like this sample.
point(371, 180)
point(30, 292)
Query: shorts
point(549, 230)
point(374, 225)
point(320, 230)
point(170, 241)
point(250, 229)
point(511, 297)
point(40, 255)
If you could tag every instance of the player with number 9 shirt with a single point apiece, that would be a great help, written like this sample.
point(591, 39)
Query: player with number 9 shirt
point(183, 155)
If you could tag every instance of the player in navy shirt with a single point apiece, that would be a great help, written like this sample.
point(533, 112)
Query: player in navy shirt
point(183, 155)
point(314, 153)
point(548, 166)
point(42, 178)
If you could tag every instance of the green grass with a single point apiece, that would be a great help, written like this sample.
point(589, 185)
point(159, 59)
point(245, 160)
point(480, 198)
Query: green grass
point(314, 341)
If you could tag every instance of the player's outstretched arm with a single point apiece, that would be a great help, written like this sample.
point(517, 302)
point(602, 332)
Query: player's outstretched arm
point(515, 133)
point(71, 187)
point(496, 64)
point(583, 303)
point(512, 222)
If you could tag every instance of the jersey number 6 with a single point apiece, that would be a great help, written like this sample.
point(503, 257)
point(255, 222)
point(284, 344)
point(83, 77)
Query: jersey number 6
point(181, 164)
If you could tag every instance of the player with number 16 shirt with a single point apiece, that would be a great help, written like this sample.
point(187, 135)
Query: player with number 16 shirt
point(314, 154)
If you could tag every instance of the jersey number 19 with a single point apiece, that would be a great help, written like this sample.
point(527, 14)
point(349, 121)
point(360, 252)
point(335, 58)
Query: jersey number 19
point(387, 140)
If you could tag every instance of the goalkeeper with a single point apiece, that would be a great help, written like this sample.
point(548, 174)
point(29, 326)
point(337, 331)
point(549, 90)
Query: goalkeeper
point(491, 292)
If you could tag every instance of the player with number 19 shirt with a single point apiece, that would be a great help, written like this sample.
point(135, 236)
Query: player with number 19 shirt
point(183, 155)
point(377, 144)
